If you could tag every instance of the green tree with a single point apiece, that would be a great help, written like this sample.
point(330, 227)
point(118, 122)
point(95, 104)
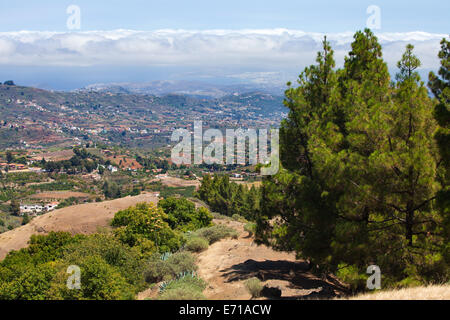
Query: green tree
point(109, 268)
point(2, 176)
point(182, 214)
point(111, 190)
point(229, 198)
point(15, 207)
point(9, 157)
point(25, 219)
point(440, 87)
point(146, 222)
point(99, 281)
point(26, 282)
point(359, 176)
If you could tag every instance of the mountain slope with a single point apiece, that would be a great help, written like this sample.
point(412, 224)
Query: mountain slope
point(84, 218)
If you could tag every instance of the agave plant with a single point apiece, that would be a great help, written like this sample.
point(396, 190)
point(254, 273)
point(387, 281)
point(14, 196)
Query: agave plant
point(180, 276)
point(165, 256)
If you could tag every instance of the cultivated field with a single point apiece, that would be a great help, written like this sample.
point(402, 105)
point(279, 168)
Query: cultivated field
point(55, 155)
point(59, 195)
point(176, 182)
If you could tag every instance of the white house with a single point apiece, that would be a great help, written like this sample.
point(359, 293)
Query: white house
point(31, 208)
point(112, 168)
point(51, 206)
point(37, 208)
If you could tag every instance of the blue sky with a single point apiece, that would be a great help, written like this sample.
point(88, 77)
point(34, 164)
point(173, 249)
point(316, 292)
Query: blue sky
point(316, 16)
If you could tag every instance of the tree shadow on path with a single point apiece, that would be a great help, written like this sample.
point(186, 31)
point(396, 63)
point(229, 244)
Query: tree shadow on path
point(296, 273)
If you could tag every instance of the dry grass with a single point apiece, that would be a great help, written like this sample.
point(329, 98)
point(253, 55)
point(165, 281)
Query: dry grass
point(433, 292)
point(55, 155)
point(83, 218)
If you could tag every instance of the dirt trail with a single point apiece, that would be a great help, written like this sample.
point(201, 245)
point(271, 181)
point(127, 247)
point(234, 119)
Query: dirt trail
point(226, 264)
point(83, 218)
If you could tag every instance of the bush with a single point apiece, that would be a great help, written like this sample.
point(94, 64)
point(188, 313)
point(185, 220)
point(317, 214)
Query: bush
point(182, 294)
point(352, 276)
point(237, 217)
point(188, 281)
point(146, 222)
point(101, 281)
point(181, 262)
point(196, 244)
point(187, 192)
point(217, 215)
point(158, 270)
point(116, 254)
point(109, 269)
point(250, 228)
point(25, 219)
point(187, 287)
point(182, 214)
point(254, 287)
point(216, 233)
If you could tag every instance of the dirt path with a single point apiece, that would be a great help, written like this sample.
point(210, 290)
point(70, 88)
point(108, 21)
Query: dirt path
point(226, 264)
point(83, 218)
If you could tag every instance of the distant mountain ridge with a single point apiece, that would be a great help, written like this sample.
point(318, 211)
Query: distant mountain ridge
point(192, 88)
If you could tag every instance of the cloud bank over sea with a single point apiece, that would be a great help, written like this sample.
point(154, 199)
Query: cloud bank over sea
point(258, 56)
point(274, 47)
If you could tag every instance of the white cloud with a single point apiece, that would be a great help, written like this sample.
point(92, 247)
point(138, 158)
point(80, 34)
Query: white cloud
point(265, 49)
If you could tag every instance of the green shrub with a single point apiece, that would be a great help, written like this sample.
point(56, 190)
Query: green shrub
point(250, 228)
point(158, 270)
point(113, 252)
point(186, 192)
point(188, 281)
point(254, 287)
point(181, 294)
point(182, 214)
point(352, 276)
point(196, 244)
point(145, 221)
point(219, 216)
point(109, 268)
point(182, 262)
point(101, 281)
point(25, 219)
point(237, 217)
point(216, 233)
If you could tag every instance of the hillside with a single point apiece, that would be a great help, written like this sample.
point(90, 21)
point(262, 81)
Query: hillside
point(225, 265)
point(192, 88)
point(140, 120)
point(83, 218)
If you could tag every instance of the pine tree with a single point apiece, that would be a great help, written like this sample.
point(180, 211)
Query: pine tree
point(9, 157)
point(299, 193)
point(25, 219)
point(360, 167)
point(440, 87)
point(15, 207)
